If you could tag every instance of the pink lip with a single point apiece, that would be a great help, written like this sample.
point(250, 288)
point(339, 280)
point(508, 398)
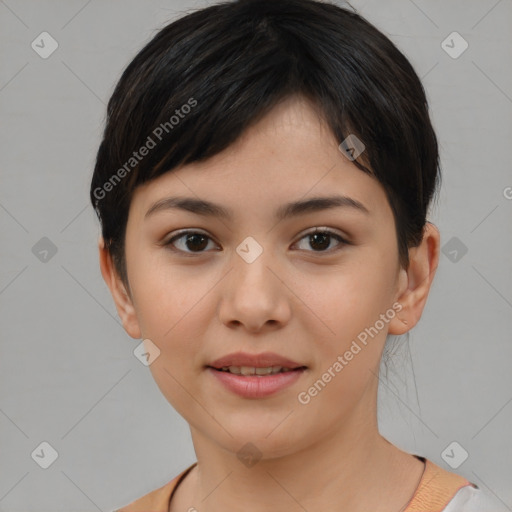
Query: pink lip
point(253, 386)
point(263, 360)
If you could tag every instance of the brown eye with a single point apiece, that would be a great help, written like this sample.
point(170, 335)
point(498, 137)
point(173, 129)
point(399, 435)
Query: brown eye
point(189, 242)
point(194, 242)
point(320, 240)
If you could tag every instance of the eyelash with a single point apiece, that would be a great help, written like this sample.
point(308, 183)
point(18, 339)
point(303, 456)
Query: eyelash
point(323, 231)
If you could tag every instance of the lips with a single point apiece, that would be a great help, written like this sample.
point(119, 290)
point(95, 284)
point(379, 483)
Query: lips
point(255, 376)
point(262, 360)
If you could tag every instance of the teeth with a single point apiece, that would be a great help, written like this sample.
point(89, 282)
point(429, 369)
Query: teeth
point(262, 371)
point(250, 370)
point(247, 370)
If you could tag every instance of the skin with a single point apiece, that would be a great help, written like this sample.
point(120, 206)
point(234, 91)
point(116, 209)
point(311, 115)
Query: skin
point(301, 301)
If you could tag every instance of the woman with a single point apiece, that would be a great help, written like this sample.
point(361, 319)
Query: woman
point(263, 186)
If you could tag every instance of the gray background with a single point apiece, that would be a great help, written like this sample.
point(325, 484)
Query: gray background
point(67, 369)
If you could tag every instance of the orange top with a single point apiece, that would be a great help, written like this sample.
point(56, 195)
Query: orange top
point(436, 488)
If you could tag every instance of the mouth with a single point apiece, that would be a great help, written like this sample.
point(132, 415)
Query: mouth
point(249, 371)
point(255, 376)
point(247, 364)
point(256, 382)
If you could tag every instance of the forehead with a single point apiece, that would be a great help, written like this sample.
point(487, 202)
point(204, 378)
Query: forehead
point(287, 155)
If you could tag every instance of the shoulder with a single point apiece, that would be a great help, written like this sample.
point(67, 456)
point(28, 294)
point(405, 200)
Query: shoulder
point(443, 491)
point(436, 488)
point(157, 500)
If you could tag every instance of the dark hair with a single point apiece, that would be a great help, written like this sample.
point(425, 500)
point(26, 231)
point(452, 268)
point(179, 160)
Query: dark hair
point(204, 79)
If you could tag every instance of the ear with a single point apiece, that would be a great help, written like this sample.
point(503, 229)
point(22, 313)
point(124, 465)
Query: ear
point(414, 283)
point(122, 299)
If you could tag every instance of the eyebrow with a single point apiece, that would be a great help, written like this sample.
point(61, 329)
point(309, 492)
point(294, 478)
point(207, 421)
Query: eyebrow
point(209, 209)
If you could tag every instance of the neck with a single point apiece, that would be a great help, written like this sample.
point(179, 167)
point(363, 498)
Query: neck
point(352, 467)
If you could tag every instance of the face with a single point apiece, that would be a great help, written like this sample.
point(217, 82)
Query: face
point(206, 286)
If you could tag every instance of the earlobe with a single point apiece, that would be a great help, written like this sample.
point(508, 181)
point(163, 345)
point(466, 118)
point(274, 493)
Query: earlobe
point(122, 299)
point(415, 282)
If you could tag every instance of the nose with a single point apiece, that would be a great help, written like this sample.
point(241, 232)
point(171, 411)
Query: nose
point(254, 295)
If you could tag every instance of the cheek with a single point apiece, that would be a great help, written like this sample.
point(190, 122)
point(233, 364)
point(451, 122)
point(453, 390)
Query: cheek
point(346, 299)
point(348, 304)
point(173, 311)
point(167, 298)
point(346, 359)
